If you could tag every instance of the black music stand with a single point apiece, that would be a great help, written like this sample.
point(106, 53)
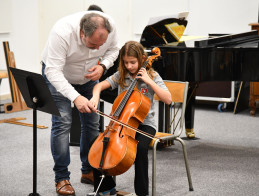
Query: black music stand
point(37, 96)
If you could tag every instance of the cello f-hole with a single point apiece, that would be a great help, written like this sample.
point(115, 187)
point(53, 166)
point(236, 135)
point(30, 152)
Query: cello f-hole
point(120, 134)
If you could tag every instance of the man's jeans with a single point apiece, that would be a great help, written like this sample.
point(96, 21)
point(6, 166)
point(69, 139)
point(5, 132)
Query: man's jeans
point(61, 127)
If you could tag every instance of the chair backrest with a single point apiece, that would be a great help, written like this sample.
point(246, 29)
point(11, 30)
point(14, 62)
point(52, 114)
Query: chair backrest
point(178, 92)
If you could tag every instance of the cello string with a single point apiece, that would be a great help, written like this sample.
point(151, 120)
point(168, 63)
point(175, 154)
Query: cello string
point(128, 126)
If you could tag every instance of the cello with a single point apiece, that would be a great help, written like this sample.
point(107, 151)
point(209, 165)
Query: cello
point(114, 150)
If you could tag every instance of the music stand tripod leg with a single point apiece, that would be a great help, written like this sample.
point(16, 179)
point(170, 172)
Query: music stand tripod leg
point(34, 193)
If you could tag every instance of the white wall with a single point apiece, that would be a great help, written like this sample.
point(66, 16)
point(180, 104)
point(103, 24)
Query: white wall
point(23, 38)
point(221, 16)
point(31, 21)
point(5, 19)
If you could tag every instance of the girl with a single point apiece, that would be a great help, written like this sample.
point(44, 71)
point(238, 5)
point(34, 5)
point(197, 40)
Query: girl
point(132, 57)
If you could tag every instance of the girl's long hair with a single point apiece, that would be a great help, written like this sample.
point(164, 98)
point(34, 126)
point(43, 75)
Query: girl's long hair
point(133, 49)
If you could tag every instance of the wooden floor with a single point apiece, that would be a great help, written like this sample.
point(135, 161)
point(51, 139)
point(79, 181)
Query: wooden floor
point(122, 193)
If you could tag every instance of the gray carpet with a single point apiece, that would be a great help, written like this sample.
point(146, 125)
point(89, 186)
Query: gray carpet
point(224, 158)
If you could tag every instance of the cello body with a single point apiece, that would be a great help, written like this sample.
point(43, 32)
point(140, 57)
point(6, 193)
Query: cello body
point(120, 152)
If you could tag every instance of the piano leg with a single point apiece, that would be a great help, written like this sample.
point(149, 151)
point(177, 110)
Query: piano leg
point(190, 108)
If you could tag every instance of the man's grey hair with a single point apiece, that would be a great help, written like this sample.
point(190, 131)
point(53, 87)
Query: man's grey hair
point(89, 23)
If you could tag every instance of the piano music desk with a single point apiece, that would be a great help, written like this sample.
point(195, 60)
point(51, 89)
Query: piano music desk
point(254, 86)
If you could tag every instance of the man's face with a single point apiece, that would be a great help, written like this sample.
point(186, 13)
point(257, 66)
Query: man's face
point(98, 38)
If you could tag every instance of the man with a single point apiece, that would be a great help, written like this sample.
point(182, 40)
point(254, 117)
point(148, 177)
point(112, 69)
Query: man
point(79, 49)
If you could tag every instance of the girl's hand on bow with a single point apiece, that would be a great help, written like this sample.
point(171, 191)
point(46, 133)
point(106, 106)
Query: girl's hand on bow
point(94, 101)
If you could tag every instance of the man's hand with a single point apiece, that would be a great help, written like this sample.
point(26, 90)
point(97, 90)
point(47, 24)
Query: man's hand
point(84, 105)
point(95, 73)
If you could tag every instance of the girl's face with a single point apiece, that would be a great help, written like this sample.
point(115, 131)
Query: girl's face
point(131, 64)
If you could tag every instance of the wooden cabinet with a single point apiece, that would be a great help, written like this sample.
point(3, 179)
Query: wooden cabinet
point(254, 86)
point(254, 96)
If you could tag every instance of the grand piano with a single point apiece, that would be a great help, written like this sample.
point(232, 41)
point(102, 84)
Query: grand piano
point(232, 57)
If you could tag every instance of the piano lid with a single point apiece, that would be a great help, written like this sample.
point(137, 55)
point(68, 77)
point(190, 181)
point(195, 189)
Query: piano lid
point(232, 40)
point(163, 32)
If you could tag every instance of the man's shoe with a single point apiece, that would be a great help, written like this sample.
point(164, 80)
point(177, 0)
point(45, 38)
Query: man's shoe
point(111, 192)
point(190, 133)
point(65, 188)
point(88, 178)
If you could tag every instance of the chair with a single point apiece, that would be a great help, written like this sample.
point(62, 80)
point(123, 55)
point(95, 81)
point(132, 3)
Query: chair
point(177, 110)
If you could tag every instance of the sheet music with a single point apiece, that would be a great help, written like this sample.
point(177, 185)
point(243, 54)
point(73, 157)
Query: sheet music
point(156, 19)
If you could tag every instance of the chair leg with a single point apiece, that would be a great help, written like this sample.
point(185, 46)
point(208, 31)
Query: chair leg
point(154, 168)
point(186, 163)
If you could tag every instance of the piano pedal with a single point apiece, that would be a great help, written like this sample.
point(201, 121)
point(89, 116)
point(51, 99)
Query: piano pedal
point(189, 133)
